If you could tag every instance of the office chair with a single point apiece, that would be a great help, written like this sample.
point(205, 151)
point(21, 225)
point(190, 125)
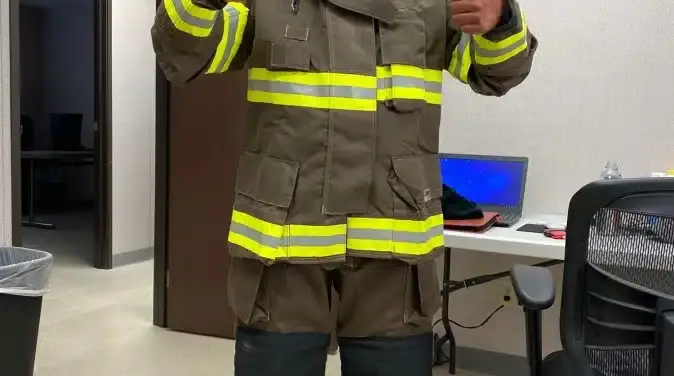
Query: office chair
point(617, 314)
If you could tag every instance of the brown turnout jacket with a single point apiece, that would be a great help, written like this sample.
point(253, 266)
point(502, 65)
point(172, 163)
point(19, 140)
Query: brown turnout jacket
point(344, 113)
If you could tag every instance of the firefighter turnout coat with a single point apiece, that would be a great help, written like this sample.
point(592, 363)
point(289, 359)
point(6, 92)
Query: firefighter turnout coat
point(341, 149)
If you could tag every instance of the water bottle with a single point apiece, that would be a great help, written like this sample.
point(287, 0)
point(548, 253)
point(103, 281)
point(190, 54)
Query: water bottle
point(608, 221)
point(611, 171)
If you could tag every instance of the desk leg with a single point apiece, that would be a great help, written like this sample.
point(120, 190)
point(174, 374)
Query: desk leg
point(31, 209)
point(449, 334)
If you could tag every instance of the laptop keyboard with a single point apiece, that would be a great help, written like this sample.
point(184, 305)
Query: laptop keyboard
point(507, 219)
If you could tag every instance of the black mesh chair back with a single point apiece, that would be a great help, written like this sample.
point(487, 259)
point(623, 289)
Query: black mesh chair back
point(618, 296)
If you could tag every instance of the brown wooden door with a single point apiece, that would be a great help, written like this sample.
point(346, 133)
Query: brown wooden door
point(206, 124)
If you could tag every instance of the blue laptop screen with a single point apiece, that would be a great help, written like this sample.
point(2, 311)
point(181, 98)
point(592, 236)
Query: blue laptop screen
point(487, 182)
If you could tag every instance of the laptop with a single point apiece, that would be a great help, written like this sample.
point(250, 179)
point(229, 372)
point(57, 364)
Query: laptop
point(494, 183)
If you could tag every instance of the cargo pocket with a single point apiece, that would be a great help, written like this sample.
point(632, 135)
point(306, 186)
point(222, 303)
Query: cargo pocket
point(423, 293)
point(244, 283)
point(403, 58)
point(264, 193)
point(416, 182)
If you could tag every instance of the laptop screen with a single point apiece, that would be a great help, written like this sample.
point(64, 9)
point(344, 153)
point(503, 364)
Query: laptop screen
point(489, 182)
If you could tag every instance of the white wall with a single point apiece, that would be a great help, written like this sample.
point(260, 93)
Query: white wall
point(133, 118)
point(601, 88)
point(5, 138)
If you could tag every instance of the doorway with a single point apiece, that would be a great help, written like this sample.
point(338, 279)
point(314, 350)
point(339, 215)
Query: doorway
point(61, 150)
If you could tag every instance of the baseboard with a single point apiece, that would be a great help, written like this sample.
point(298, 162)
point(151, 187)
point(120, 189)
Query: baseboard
point(489, 362)
point(132, 257)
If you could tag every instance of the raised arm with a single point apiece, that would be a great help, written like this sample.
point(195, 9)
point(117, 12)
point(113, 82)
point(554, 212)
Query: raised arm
point(195, 37)
point(494, 62)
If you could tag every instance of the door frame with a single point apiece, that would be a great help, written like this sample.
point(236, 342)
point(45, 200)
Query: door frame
point(161, 187)
point(162, 175)
point(102, 130)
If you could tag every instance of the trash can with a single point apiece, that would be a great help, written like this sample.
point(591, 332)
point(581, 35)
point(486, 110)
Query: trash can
point(24, 279)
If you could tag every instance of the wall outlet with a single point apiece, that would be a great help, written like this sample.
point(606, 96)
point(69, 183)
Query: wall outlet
point(507, 294)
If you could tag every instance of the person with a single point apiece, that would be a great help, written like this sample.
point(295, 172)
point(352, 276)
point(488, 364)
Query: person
point(338, 186)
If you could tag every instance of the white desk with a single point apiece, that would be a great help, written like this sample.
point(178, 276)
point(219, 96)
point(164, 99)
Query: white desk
point(505, 241)
point(509, 241)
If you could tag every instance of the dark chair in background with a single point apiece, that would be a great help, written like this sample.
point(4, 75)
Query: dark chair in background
point(618, 293)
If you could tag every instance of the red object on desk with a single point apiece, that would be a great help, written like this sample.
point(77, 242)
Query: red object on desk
point(472, 225)
point(555, 234)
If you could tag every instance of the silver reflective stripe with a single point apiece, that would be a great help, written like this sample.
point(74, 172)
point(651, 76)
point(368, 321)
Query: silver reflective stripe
point(265, 240)
point(313, 241)
point(410, 82)
point(434, 87)
point(273, 242)
point(231, 36)
point(460, 49)
point(496, 53)
point(312, 90)
point(396, 236)
point(190, 18)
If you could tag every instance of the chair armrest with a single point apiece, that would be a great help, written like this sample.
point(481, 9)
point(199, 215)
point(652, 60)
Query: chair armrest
point(534, 287)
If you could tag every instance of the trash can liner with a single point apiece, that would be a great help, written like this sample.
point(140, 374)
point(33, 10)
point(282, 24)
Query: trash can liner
point(24, 272)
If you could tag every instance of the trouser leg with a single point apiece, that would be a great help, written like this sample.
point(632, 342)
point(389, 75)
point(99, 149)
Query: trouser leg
point(393, 356)
point(261, 353)
point(385, 314)
point(284, 318)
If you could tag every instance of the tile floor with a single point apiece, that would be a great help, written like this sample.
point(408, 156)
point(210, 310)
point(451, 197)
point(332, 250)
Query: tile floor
point(99, 323)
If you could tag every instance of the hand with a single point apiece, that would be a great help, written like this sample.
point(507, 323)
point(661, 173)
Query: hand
point(476, 16)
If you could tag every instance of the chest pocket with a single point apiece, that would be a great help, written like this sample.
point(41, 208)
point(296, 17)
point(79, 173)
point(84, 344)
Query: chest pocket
point(401, 70)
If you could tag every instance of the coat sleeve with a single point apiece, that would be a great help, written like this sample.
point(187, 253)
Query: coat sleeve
point(495, 62)
point(196, 37)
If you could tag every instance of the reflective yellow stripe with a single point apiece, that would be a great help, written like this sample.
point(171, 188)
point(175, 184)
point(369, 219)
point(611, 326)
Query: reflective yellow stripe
point(313, 78)
point(406, 82)
point(404, 237)
point(461, 59)
point(342, 91)
point(190, 18)
point(489, 52)
point(312, 102)
point(273, 242)
point(235, 17)
point(278, 242)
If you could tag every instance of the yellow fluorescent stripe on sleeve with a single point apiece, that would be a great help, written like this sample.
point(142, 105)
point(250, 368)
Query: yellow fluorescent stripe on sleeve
point(299, 100)
point(501, 58)
point(316, 79)
point(466, 62)
point(235, 17)
point(487, 44)
point(197, 11)
point(190, 18)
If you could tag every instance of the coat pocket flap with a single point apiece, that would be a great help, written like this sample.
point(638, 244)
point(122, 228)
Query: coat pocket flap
point(421, 176)
point(404, 40)
point(268, 180)
point(382, 10)
point(294, 56)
